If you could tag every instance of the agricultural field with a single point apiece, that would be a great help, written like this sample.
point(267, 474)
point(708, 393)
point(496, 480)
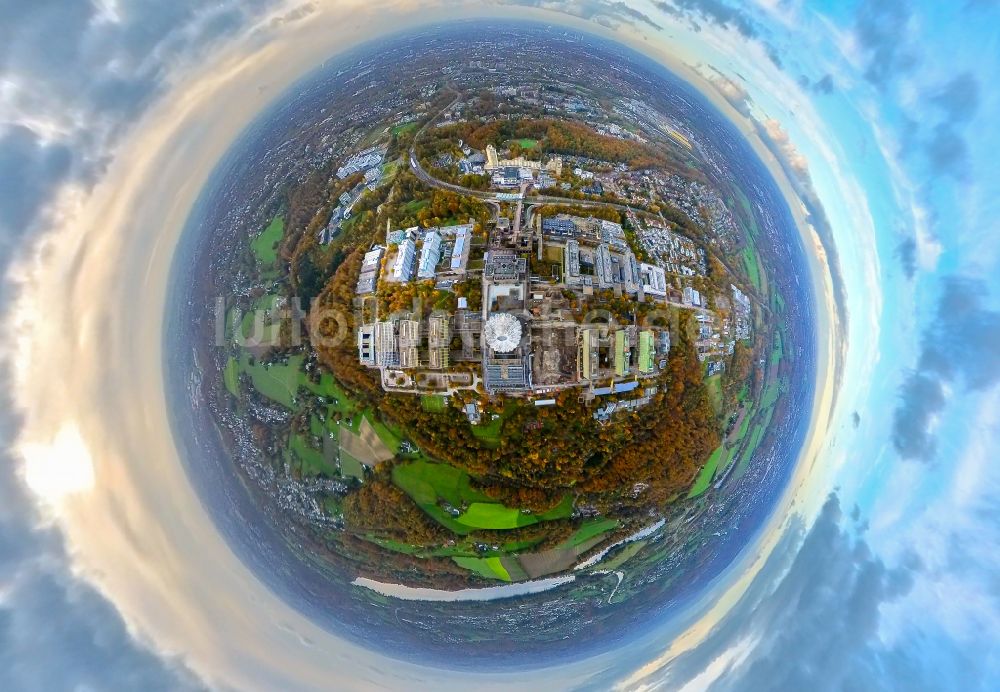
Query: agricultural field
point(489, 567)
point(430, 484)
point(592, 528)
point(311, 461)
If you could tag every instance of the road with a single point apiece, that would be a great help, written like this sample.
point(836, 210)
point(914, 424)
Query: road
point(486, 195)
point(538, 200)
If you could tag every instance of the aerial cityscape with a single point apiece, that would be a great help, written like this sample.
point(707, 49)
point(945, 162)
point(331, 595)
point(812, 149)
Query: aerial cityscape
point(518, 345)
point(491, 336)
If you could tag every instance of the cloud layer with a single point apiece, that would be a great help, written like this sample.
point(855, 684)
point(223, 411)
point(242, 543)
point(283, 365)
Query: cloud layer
point(56, 632)
point(959, 348)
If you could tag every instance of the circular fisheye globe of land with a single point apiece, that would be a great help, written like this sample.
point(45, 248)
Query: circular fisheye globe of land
point(502, 343)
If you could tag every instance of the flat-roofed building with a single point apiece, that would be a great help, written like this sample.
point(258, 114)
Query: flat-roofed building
point(402, 268)
point(646, 347)
point(561, 225)
point(692, 297)
point(630, 272)
point(621, 353)
point(438, 342)
point(494, 162)
point(614, 235)
point(408, 341)
point(460, 251)
point(438, 331)
point(366, 345)
point(370, 268)
point(603, 266)
point(588, 358)
point(654, 280)
point(430, 255)
point(367, 283)
point(507, 375)
point(372, 258)
point(439, 359)
point(571, 263)
point(504, 266)
point(386, 349)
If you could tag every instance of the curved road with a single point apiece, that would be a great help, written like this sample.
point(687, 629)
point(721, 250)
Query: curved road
point(486, 195)
point(533, 200)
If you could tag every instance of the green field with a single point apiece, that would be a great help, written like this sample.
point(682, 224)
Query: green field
point(770, 395)
point(752, 265)
point(489, 567)
point(332, 393)
point(312, 461)
point(525, 143)
point(403, 128)
point(564, 510)
point(482, 515)
point(390, 436)
point(425, 482)
point(590, 529)
point(389, 170)
point(777, 302)
point(264, 312)
point(278, 383)
point(433, 403)
point(520, 546)
point(714, 386)
point(778, 352)
point(755, 438)
point(231, 376)
point(413, 206)
point(351, 467)
point(489, 431)
point(707, 473)
point(265, 246)
point(626, 553)
point(727, 459)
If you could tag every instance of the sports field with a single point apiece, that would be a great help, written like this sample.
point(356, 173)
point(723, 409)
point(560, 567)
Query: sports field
point(433, 403)
point(525, 143)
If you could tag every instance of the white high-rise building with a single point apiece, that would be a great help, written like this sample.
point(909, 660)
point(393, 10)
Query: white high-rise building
point(402, 269)
point(430, 255)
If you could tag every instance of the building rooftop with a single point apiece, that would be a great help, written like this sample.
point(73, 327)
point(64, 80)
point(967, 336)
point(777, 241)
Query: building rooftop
point(503, 333)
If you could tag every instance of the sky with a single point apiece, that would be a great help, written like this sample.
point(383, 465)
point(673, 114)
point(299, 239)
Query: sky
point(879, 570)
